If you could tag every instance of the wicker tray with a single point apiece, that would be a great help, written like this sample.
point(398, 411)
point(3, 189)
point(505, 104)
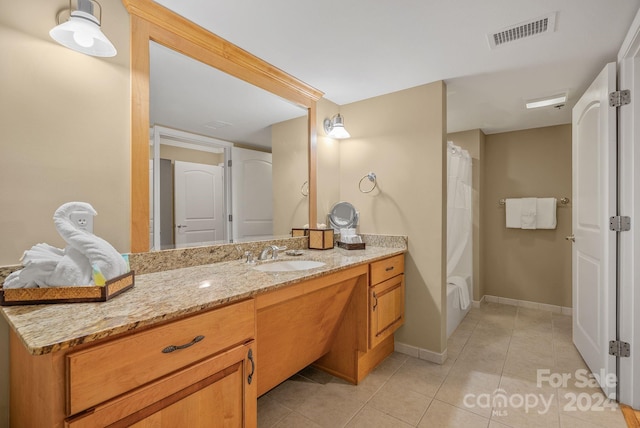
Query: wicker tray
point(36, 296)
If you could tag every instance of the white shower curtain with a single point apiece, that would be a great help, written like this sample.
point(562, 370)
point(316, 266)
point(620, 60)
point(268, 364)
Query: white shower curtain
point(459, 194)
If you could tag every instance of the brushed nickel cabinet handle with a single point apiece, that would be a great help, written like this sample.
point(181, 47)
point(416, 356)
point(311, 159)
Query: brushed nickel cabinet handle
point(172, 348)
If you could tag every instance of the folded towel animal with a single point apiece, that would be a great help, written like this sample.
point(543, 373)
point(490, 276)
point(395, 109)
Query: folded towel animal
point(98, 251)
point(46, 266)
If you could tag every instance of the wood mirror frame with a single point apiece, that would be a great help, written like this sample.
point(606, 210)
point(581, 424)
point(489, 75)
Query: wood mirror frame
point(150, 21)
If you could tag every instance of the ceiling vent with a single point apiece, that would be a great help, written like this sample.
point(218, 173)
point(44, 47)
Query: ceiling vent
point(217, 124)
point(535, 27)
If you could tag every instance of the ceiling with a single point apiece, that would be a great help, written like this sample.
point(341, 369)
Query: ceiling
point(362, 48)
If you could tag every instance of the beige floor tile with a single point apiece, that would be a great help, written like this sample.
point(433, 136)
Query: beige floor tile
point(522, 368)
point(270, 412)
point(360, 393)
point(373, 418)
point(444, 415)
point(525, 404)
point(421, 376)
point(567, 421)
point(536, 351)
point(294, 391)
point(454, 347)
point(328, 409)
point(396, 400)
point(494, 424)
point(589, 405)
point(463, 388)
point(296, 420)
point(483, 358)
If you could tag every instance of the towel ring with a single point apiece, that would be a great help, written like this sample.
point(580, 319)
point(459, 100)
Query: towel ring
point(302, 189)
point(372, 178)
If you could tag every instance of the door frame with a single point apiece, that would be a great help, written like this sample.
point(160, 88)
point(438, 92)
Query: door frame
point(629, 205)
point(195, 142)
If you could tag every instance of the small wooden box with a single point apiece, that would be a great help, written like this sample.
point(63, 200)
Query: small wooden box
point(93, 293)
point(299, 232)
point(352, 246)
point(320, 239)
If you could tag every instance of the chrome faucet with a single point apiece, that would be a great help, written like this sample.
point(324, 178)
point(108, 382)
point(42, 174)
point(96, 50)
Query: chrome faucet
point(274, 252)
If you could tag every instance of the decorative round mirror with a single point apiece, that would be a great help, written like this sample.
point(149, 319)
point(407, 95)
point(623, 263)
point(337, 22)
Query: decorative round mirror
point(343, 215)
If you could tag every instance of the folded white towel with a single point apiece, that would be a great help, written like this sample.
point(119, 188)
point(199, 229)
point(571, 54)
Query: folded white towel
point(528, 210)
point(546, 213)
point(463, 290)
point(512, 210)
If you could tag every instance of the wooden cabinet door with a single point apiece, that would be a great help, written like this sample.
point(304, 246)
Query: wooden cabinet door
point(217, 392)
point(386, 309)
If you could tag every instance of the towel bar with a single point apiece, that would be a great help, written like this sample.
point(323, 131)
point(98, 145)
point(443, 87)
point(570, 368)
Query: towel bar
point(563, 201)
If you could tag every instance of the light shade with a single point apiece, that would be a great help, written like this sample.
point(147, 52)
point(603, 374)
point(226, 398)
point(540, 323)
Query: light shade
point(334, 128)
point(548, 101)
point(82, 32)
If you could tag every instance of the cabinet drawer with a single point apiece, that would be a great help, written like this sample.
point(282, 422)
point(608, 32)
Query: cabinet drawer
point(104, 371)
point(387, 268)
point(216, 391)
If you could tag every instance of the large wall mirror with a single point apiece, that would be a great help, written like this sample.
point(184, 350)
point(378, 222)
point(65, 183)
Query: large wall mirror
point(224, 154)
point(197, 94)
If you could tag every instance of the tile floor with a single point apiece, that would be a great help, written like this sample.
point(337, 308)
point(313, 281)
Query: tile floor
point(489, 380)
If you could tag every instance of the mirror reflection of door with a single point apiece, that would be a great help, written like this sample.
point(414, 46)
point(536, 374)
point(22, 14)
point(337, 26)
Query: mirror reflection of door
point(198, 204)
point(252, 189)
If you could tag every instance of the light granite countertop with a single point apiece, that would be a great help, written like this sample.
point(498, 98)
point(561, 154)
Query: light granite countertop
point(162, 296)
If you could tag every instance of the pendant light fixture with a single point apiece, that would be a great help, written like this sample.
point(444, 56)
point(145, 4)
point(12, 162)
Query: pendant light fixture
point(81, 32)
point(334, 128)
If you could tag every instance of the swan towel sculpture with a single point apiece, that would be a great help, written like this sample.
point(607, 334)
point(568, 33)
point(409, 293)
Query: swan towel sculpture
point(85, 255)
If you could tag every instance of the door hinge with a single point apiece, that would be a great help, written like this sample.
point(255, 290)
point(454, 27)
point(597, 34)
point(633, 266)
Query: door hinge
point(619, 98)
point(620, 223)
point(230, 217)
point(619, 348)
point(229, 163)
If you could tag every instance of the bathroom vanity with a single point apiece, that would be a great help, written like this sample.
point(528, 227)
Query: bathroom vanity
point(203, 342)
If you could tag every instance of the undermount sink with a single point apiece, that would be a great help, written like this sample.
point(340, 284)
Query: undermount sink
point(289, 265)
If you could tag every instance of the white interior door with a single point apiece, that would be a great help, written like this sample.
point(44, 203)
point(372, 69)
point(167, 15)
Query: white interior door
point(252, 191)
point(594, 201)
point(199, 204)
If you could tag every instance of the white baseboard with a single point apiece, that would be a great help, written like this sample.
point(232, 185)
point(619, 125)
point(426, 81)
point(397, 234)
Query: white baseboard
point(421, 353)
point(477, 303)
point(526, 304)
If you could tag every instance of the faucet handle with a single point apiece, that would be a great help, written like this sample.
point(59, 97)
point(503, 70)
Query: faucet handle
point(249, 256)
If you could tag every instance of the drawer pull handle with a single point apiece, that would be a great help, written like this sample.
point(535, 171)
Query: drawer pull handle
point(172, 348)
point(253, 366)
point(375, 304)
point(390, 268)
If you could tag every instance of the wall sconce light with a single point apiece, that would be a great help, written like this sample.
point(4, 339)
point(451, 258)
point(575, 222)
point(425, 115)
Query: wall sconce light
point(81, 32)
point(334, 128)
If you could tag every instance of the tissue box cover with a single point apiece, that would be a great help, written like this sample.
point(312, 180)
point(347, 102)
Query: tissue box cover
point(299, 232)
point(79, 294)
point(320, 239)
